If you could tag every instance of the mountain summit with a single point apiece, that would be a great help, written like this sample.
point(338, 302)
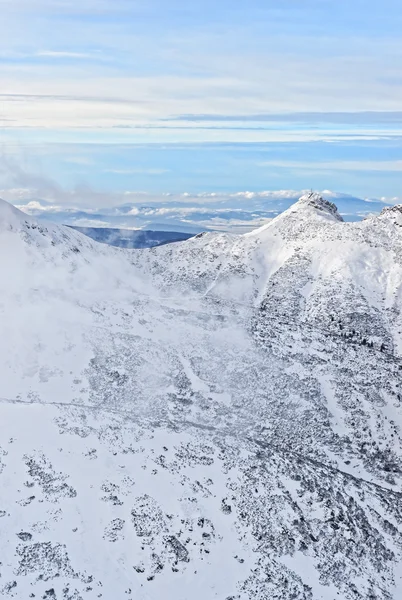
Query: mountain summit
point(394, 213)
point(219, 418)
point(317, 202)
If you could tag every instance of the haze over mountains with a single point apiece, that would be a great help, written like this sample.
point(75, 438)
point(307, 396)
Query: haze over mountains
point(238, 212)
point(132, 238)
point(219, 418)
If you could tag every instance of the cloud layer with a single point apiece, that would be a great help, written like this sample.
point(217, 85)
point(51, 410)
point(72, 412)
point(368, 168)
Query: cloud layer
point(300, 74)
point(137, 64)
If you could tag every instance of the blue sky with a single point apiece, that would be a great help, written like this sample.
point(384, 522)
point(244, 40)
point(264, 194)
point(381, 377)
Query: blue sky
point(171, 96)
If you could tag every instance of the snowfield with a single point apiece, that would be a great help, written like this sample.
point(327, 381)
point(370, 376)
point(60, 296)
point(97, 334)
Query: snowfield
point(215, 419)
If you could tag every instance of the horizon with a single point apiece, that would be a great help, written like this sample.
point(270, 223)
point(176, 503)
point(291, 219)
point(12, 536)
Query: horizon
point(234, 213)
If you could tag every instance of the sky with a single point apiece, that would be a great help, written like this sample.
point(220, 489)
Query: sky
point(177, 99)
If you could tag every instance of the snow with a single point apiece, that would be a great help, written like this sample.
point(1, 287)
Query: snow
point(217, 418)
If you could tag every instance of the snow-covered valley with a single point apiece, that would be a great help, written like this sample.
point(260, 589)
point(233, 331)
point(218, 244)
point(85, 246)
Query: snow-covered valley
point(219, 418)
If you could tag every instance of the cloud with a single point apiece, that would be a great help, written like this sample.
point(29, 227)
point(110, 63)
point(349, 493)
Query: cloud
point(22, 97)
point(237, 212)
point(35, 207)
point(339, 165)
point(65, 54)
point(15, 175)
point(138, 171)
point(353, 118)
point(173, 73)
point(193, 71)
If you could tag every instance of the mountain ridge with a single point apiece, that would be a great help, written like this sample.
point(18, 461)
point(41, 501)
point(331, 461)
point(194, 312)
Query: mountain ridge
point(219, 418)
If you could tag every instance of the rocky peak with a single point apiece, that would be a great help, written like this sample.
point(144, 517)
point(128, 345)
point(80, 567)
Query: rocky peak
point(394, 213)
point(314, 200)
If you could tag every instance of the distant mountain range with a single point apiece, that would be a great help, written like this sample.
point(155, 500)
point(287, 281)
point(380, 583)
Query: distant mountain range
point(233, 212)
point(128, 238)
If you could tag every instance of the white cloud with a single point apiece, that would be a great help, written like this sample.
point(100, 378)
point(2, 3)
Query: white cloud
point(90, 223)
point(137, 171)
point(53, 200)
point(247, 84)
point(65, 54)
point(236, 212)
point(338, 165)
point(201, 70)
point(34, 207)
point(39, 207)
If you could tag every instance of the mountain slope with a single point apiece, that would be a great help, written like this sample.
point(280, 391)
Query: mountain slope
point(214, 419)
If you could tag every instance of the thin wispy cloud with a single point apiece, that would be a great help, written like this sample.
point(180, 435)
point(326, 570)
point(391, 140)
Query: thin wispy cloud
point(361, 117)
point(155, 72)
point(351, 165)
point(137, 171)
point(66, 54)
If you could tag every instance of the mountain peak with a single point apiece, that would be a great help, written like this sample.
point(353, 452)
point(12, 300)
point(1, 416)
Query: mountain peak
point(307, 208)
point(316, 201)
point(393, 212)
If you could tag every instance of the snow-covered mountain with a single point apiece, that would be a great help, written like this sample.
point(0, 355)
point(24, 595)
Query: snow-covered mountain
point(219, 418)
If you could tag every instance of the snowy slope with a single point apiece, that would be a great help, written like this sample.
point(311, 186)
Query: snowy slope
point(219, 418)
